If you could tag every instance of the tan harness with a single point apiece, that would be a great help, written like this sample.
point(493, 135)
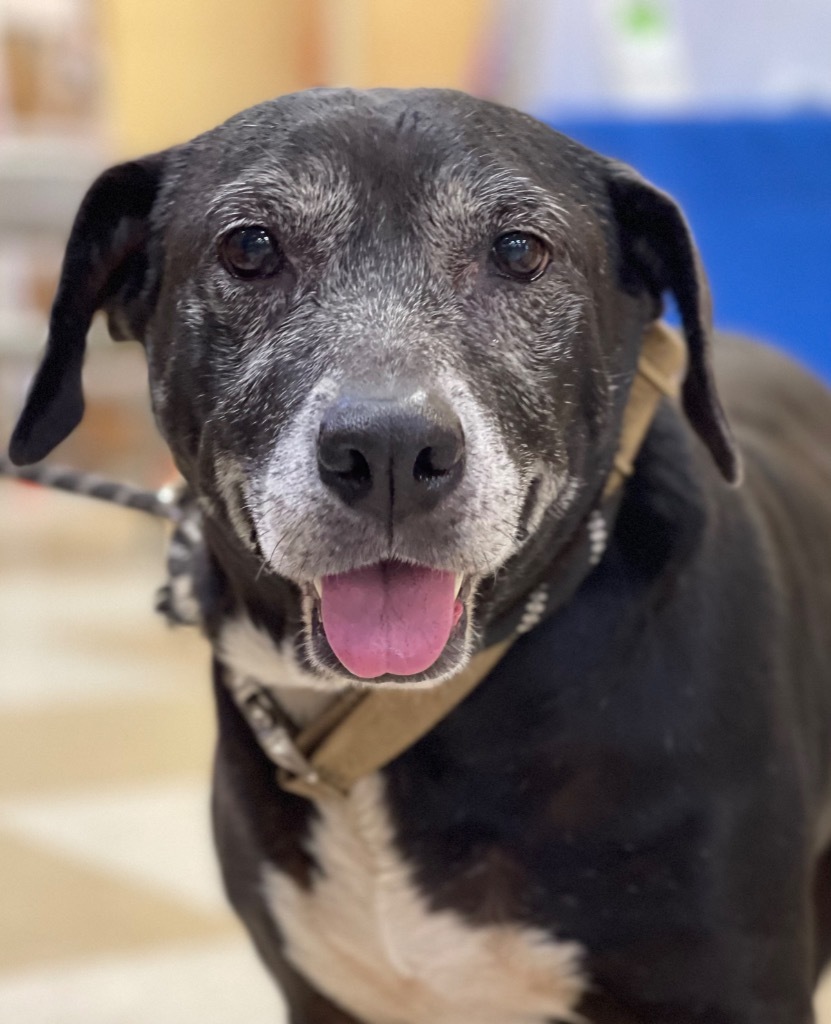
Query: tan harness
point(365, 729)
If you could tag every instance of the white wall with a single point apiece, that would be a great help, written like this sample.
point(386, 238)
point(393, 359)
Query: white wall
point(558, 56)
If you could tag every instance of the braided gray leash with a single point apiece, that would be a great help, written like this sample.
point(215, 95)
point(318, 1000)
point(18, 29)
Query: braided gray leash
point(175, 599)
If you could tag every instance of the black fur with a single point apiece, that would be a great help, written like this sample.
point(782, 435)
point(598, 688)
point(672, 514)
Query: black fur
point(647, 772)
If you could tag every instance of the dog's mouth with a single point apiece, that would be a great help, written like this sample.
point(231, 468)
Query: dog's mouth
point(388, 621)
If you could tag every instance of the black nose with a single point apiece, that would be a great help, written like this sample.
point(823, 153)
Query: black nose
point(391, 457)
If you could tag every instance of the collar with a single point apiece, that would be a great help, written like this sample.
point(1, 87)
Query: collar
point(364, 730)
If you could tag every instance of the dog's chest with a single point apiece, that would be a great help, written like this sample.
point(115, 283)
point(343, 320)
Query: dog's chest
point(364, 935)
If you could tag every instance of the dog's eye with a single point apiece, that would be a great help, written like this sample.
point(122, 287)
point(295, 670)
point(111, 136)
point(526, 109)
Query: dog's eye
point(520, 255)
point(250, 253)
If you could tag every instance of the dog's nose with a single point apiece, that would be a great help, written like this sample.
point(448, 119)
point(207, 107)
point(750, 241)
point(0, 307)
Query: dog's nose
point(391, 457)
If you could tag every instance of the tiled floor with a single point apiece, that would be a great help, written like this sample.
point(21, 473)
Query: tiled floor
point(110, 908)
point(110, 905)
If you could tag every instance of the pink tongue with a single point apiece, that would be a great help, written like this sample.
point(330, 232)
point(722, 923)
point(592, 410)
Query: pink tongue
point(389, 617)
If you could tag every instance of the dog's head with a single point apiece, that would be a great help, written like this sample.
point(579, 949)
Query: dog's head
point(390, 337)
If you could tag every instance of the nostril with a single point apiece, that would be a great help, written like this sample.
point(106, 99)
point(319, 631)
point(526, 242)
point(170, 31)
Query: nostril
point(358, 471)
point(436, 462)
point(425, 468)
point(349, 465)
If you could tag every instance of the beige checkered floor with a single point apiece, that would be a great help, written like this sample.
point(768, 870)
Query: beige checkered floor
point(110, 908)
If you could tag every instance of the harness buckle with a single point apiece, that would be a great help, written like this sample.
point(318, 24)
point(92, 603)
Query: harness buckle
point(269, 724)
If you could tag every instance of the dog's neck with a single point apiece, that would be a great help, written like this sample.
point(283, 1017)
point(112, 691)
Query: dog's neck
point(660, 524)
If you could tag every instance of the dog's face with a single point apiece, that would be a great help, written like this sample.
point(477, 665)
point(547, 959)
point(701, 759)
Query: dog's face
point(390, 337)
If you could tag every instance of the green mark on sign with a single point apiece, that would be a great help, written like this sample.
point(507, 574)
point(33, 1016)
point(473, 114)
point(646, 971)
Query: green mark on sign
point(642, 18)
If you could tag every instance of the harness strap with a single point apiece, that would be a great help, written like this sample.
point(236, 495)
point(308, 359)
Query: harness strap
point(366, 729)
point(661, 367)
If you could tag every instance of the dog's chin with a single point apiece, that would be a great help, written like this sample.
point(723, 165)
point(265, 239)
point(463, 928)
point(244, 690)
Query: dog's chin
point(331, 672)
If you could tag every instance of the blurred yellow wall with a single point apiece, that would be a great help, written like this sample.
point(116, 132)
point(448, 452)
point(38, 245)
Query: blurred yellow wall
point(173, 68)
point(404, 43)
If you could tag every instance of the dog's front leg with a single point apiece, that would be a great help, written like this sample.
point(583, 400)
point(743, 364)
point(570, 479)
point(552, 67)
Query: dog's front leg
point(305, 1004)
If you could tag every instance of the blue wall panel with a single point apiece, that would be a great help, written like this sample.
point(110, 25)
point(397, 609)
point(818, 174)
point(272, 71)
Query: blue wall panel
point(757, 192)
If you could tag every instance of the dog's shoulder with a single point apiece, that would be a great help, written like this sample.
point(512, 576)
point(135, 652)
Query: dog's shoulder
point(770, 394)
point(781, 416)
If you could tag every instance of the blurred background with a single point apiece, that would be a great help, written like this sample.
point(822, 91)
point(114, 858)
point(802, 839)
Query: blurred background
point(111, 910)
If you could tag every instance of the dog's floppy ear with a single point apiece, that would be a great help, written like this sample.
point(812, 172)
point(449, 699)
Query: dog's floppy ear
point(104, 267)
point(659, 254)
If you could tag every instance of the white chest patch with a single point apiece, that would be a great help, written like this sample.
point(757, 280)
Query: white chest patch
point(364, 936)
point(250, 652)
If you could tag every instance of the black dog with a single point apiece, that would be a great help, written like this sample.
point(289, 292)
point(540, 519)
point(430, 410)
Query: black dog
point(391, 337)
